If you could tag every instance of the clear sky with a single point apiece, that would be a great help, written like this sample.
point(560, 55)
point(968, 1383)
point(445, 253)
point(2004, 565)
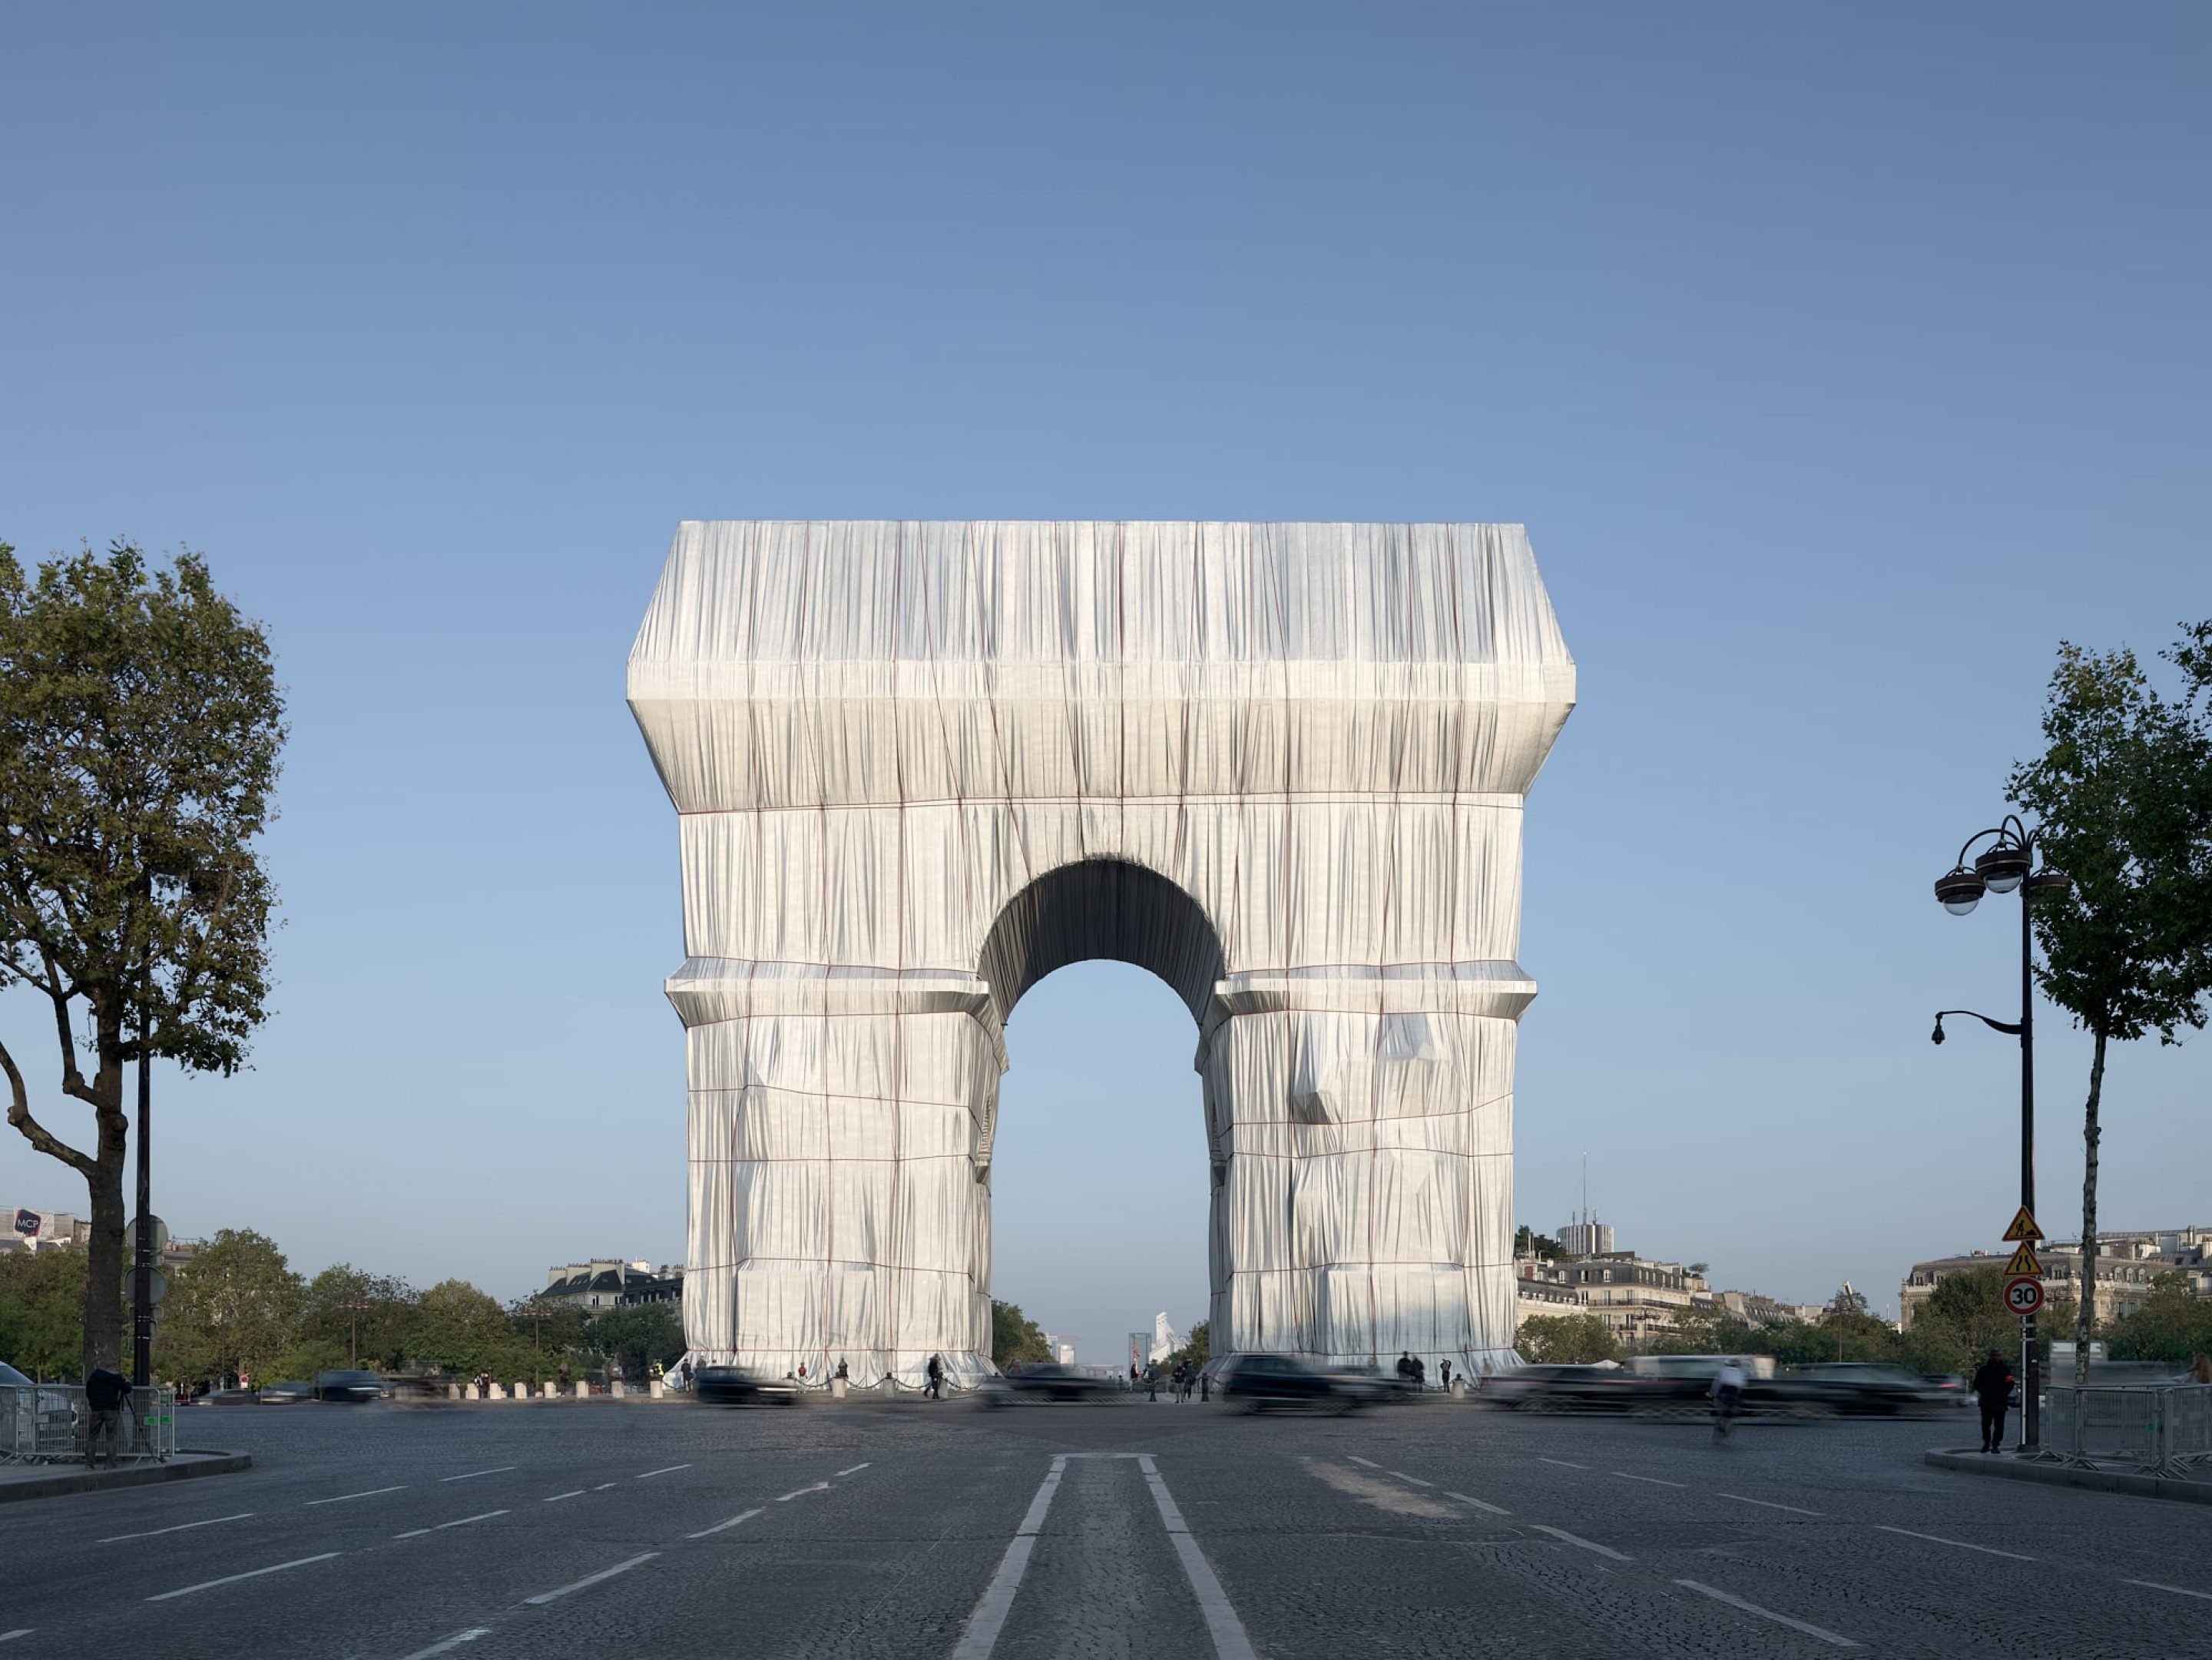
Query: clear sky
point(1840, 360)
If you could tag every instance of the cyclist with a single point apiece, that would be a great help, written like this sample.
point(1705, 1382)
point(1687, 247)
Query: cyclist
point(1727, 1397)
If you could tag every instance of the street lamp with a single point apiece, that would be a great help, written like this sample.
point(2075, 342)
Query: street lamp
point(2007, 865)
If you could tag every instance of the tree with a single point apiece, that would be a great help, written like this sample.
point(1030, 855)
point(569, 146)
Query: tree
point(1015, 1338)
point(1196, 1350)
point(457, 1328)
point(367, 1315)
point(1963, 1319)
point(140, 726)
point(1566, 1340)
point(2123, 791)
point(638, 1334)
point(1528, 1242)
point(2173, 1325)
point(233, 1310)
point(42, 1312)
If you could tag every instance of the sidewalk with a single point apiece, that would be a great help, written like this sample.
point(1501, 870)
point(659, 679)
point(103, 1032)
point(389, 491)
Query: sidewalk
point(2006, 1467)
point(52, 1480)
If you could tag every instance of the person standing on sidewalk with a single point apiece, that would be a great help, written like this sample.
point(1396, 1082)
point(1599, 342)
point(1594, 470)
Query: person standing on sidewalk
point(1993, 1388)
point(107, 1392)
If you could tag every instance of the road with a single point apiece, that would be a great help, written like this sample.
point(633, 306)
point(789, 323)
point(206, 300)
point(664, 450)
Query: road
point(882, 1532)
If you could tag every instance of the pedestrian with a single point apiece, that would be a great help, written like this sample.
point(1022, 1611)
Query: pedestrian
point(1421, 1373)
point(1444, 1371)
point(1993, 1388)
point(107, 1392)
point(1405, 1367)
point(1205, 1385)
point(842, 1374)
point(936, 1390)
point(1151, 1383)
point(2200, 1369)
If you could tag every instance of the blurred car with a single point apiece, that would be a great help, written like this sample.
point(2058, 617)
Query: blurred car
point(1557, 1389)
point(289, 1393)
point(237, 1397)
point(1046, 1382)
point(1375, 1386)
point(734, 1386)
point(349, 1386)
point(1860, 1389)
point(1256, 1383)
point(12, 1379)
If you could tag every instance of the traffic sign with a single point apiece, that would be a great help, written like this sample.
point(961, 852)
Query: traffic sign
point(2022, 1295)
point(2023, 1261)
point(2023, 1227)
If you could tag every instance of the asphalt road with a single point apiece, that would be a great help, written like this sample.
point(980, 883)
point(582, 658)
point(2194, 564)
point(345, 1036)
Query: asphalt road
point(1129, 1530)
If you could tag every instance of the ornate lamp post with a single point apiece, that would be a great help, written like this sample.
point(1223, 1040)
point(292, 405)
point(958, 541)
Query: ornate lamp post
point(2005, 866)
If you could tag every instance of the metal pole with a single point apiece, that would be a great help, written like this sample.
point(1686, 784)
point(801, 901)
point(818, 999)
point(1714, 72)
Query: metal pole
point(142, 1269)
point(2031, 1399)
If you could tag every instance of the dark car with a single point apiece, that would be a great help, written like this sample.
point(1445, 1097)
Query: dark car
point(1559, 1389)
point(1860, 1390)
point(1047, 1382)
point(241, 1397)
point(349, 1386)
point(1256, 1383)
point(288, 1394)
point(734, 1386)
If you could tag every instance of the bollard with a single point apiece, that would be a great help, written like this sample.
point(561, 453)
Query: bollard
point(453, 1391)
point(615, 1389)
point(583, 1389)
point(521, 1391)
point(837, 1388)
point(657, 1389)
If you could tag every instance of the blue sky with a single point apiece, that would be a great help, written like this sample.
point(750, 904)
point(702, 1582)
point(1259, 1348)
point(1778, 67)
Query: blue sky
point(1839, 361)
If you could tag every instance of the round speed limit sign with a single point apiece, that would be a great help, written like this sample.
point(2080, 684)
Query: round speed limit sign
point(2023, 1295)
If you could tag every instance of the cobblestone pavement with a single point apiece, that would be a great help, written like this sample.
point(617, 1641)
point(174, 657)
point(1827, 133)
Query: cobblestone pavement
point(1129, 1530)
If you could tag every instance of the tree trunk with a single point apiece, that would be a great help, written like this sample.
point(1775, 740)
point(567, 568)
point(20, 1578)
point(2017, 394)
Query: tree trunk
point(106, 1255)
point(2085, 1310)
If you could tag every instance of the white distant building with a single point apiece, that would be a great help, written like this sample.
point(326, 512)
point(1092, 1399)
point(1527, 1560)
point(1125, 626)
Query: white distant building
point(1166, 1340)
point(1587, 1236)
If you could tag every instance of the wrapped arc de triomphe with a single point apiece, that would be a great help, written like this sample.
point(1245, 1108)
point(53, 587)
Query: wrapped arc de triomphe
point(919, 766)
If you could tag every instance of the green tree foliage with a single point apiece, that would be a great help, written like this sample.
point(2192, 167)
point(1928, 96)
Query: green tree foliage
point(367, 1316)
point(1963, 1319)
point(1566, 1340)
point(42, 1312)
point(233, 1310)
point(1528, 1242)
point(455, 1328)
point(140, 726)
point(1015, 1338)
point(2123, 791)
point(639, 1334)
point(2171, 1325)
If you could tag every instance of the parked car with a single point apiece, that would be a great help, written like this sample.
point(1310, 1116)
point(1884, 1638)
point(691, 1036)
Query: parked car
point(349, 1386)
point(734, 1386)
point(1045, 1381)
point(288, 1394)
point(1256, 1383)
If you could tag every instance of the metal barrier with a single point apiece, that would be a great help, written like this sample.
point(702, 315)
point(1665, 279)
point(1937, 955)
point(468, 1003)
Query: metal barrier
point(50, 1423)
point(2163, 1430)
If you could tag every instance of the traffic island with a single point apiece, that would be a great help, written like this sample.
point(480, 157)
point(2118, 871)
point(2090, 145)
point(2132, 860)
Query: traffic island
point(54, 1480)
point(2006, 1467)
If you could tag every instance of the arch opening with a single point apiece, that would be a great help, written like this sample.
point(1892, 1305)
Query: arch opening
point(1102, 908)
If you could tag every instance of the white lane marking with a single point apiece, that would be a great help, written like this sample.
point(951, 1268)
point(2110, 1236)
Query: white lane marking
point(855, 1471)
point(1718, 1595)
point(983, 1633)
point(541, 1600)
point(1357, 1459)
point(370, 1494)
point(472, 1475)
point(671, 1470)
point(1587, 1544)
point(2147, 1585)
point(1415, 1479)
point(418, 1532)
point(718, 1526)
point(1937, 1539)
point(1561, 1462)
point(451, 1643)
point(1230, 1642)
point(233, 1578)
point(21, 1631)
point(1480, 1504)
point(1653, 1479)
point(118, 1538)
point(798, 1493)
point(577, 1494)
point(1768, 1504)
point(603, 1486)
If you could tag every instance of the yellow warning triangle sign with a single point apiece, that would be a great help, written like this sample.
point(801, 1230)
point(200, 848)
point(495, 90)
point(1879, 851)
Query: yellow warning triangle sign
point(2023, 1227)
point(2023, 1261)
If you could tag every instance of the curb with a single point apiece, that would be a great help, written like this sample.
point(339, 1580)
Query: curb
point(2059, 1475)
point(141, 1476)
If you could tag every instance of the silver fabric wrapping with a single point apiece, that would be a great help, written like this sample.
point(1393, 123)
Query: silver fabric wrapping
point(919, 766)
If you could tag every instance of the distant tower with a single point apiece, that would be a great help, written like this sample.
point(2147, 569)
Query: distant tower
point(1586, 1236)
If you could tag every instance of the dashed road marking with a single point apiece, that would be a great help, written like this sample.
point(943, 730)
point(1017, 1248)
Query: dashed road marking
point(1357, 1459)
point(798, 1492)
point(1768, 1504)
point(1480, 1504)
point(671, 1470)
point(1938, 1539)
point(855, 1471)
point(451, 1643)
point(1587, 1544)
point(471, 1475)
point(1222, 1625)
point(603, 1486)
point(555, 1595)
point(21, 1631)
point(418, 1532)
point(1719, 1596)
point(1415, 1479)
point(577, 1493)
point(1653, 1479)
point(233, 1578)
point(1561, 1462)
point(983, 1625)
point(118, 1538)
point(2152, 1584)
point(369, 1493)
point(718, 1526)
